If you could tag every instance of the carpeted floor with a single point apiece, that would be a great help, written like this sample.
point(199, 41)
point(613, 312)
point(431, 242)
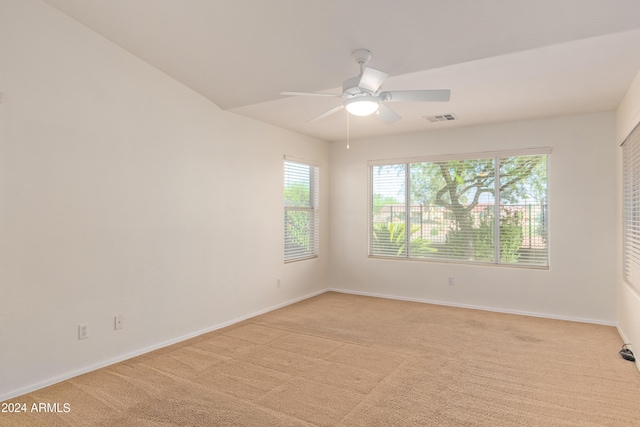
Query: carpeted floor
point(346, 360)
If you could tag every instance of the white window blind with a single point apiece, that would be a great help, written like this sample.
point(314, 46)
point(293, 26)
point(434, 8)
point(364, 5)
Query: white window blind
point(631, 208)
point(484, 208)
point(388, 237)
point(301, 209)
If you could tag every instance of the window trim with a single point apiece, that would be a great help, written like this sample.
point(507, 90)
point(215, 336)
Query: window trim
point(462, 156)
point(449, 157)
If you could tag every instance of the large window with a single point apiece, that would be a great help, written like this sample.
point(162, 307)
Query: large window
point(301, 213)
point(488, 208)
point(631, 208)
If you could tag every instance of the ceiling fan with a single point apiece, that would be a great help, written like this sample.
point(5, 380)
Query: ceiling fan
point(362, 94)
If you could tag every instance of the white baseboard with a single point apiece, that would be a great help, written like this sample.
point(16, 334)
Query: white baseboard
point(102, 364)
point(475, 307)
point(624, 338)
point(111, 361)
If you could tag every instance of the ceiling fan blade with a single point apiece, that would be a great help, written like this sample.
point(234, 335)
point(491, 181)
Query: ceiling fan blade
point(387, 114)
point(326, 113)
point(372, 79)
point(416, 95)
point(310, 94)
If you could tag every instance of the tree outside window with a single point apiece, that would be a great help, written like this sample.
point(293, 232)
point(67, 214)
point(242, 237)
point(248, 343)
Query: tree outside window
point(482, 210)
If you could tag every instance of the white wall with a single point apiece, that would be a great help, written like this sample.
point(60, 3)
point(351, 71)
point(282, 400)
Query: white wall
point(582, 168)
point(628, 313)
point(124, 192)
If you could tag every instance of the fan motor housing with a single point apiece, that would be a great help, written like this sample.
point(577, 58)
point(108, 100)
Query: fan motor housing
point(350, 87)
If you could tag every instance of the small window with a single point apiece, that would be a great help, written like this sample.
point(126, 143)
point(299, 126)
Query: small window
point(301, 209)
point(631, 208)
point(487, 208)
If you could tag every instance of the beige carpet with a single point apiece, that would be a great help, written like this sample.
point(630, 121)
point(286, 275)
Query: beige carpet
point(345, 360)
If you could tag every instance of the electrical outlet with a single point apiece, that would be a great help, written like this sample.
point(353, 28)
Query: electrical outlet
point(279, 283)
point(450, 281)
point(83, 331)
point(118, 322)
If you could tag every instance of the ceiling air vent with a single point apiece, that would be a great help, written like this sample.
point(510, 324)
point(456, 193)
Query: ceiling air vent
point(441, 118)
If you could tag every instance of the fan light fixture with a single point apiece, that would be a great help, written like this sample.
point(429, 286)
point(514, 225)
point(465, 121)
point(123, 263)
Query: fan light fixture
point(361, 105)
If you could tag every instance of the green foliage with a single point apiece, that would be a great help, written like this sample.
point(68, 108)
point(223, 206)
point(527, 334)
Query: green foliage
point(484, 238)
point(297, 194)
point(457, 245)
point(523, 178)
point(463, 182)
point(451, 183)
point(389, 239)
point(297, 231)
point(380, 201)
point(510, 237)
point(297, 223)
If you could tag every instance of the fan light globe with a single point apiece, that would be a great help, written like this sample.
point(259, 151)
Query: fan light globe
point(361, 106)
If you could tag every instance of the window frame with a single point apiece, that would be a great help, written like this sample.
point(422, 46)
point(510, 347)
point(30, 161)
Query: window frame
point(631, 208)
point(409, 161)
point(313, 251)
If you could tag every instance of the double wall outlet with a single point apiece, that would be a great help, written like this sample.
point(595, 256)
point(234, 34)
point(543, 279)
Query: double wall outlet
point(83, 331)
point(450, 281)
point(279, 282)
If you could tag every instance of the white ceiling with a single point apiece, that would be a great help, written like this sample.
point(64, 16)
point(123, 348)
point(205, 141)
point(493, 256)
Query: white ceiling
point(502, 59)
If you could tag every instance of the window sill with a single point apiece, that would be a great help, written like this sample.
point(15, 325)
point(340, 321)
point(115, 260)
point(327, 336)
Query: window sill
point(289, 261)
point(460, 262)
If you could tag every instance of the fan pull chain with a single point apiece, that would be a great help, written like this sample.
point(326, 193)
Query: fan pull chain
point(348, 130)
